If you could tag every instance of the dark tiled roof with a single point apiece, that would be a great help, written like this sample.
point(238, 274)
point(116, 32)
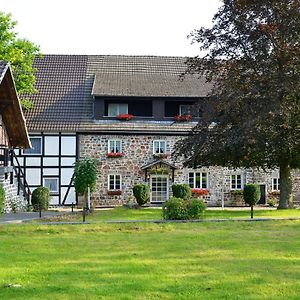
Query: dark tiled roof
point(152, 76)
point(65, 85)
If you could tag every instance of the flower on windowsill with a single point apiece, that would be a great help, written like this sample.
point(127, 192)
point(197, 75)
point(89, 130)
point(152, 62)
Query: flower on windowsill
point(160, 155)
point(199, 192)
point(114, 193)
point(237, 192)
point(124, 117)
point(115, 154)
point(183, 118)
point(275, 193)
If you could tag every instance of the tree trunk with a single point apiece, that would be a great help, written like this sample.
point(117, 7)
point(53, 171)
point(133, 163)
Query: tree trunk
point(286, 195)
point(251, 211)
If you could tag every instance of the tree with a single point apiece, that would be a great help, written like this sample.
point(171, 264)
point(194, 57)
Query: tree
point(20, 53)
point(85, 176)
point(251, 195)
point(252, 118)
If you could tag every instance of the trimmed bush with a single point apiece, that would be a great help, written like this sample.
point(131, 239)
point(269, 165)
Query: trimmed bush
point(175, 209)
point(182, 191)
point(40, 198)
point(2, 199)
point(251, 195)
point(141, 193)
point(179, 209)
point(195, 208)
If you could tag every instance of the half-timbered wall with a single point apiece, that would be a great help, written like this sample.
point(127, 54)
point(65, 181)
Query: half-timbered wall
point(50, 163)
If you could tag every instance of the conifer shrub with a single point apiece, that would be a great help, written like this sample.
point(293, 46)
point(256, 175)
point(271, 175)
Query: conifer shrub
point(251, 195)
point(2, 199)
point(141, 193)
point(40, 198)
point(182, 191)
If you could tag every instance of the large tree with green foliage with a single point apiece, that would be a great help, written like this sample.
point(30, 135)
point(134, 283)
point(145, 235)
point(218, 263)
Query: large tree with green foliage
point(20, 53)
point(252, 118)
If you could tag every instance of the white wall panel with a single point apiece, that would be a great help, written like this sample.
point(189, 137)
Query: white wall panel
point(51, 145)
point(33, 161)
point(66, 175)
point(50, 171)
point(68, 145)
point(67, 161)
point(71, 196)
point(50, 161)
point(54, 200)
point(20, 160)
point(33, 176)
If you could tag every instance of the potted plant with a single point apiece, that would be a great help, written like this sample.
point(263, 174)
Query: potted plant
point(124, 117)
point(197, 192)
point(183, 118)
point(115, 154)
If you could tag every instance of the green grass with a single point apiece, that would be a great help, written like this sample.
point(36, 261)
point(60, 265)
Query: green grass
point(231, 260)
point(121, 213)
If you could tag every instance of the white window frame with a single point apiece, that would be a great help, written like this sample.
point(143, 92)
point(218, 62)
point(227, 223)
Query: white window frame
point(180, 109)
point(109, 113)
point(108, 182)
point(159, 146)
point(235, 183)
point(112, 145)
point(201, 180)
point(33, 154)
point(275, 184)
point(57, 183)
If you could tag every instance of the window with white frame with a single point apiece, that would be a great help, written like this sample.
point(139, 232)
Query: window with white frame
point(114, 146)
point(236, 182)
point(51, 184)
point(36, 149)
point(159, 147)
point(114, 182)
point(198, 180)
point(115, 109)
point(275, 184)
point(185, 109)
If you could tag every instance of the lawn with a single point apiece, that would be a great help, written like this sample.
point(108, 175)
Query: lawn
point(231, 260)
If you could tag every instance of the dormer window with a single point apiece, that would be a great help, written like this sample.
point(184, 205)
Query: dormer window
point(115, 109)
point(185, 110)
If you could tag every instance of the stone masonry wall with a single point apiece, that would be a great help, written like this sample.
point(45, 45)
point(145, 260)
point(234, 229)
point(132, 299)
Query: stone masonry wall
point(138, 150)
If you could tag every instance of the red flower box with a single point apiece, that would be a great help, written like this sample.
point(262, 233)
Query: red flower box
point(200, 192)
point(183, 118)
point(114, 193)
point(115, 154)
point(124, 117)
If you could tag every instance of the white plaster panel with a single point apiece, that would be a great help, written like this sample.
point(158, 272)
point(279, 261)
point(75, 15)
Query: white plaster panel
point(66, 175)
point(33, 161)
point(33, 176)
point(67, 161)
point(54, 200)
point(50, 171)
point(50, 161)
point(68, 145)
point(20, 160)
point(71, 195)
point(51, 145)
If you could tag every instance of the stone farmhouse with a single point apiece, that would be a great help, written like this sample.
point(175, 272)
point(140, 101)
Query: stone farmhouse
point(128, 112)
point(13, 134)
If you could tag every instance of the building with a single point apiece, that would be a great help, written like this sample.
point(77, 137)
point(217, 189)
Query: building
point(13, 134)
point(128, 112)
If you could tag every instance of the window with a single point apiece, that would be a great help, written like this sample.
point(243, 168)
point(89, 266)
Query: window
point(51, 184)
point(114, 182)
point(275, 184)
point(36, 143)
point(159, 147)
point(236, 182)
point(185, 109)
point(198, 180)
point(114, 146)
point(115, 109)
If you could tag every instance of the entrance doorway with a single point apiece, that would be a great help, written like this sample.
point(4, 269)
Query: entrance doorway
point(262, 199)
point(159, 188)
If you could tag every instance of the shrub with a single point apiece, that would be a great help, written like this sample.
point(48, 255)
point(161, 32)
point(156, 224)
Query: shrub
point(179, 209)
point(272, 202)
point(2, 199)
point(141, 193)
point(40, 198)
point(175, 209)
point(182, 191)
point(195, 208)
point(251, 195)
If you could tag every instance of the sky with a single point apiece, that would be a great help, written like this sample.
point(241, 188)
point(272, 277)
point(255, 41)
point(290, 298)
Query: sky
point(128, 27)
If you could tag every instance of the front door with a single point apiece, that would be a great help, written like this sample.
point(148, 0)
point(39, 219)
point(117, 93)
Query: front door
point(159, 188)
point(262, 199)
